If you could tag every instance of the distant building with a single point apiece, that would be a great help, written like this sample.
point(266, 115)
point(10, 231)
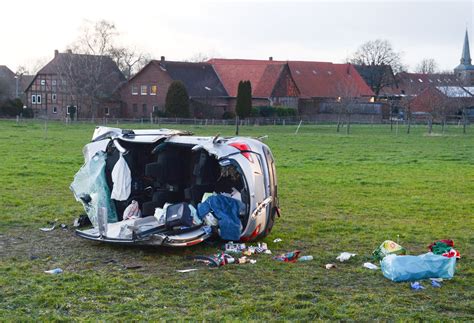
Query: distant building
point(412, 84)
point(84, 86)
point(7, 83)
point(272, 83)
point(303, 85)
point(443, 100)
point(465, 70)
point(381, 79)
point(145, 93)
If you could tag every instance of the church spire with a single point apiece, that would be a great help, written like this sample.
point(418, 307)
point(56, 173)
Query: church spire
point(466, 55)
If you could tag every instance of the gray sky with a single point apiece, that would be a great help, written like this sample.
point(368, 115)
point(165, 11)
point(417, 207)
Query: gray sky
point(294, 30)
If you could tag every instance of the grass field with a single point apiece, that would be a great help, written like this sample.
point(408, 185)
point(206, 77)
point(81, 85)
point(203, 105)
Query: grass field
point(338, 193)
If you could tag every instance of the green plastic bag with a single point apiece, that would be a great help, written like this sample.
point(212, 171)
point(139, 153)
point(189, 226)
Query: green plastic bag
point(91, 189)
point(388, 247)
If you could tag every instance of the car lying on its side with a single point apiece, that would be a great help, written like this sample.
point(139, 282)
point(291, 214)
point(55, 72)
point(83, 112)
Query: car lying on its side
point(168, 187)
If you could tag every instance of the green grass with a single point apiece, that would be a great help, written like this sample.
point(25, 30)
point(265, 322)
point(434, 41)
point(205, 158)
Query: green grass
point(338, 193)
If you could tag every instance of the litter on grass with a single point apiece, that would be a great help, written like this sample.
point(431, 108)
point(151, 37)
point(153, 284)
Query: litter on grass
point(444, 248)
point(305, 258)
point(186, 270)
point(289, 256)
point(412, 268)
point(54, 271)
point(388, 247)
point(416, 286)
point(344, 256)
point(277, 240)
point(330, 266)
point(371, 266)
point(435, 283)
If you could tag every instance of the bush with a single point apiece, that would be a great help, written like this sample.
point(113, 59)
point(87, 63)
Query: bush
point(11, 108)
point(228, 115)
point(177, 100)
point(271, 112)
point(28, 113)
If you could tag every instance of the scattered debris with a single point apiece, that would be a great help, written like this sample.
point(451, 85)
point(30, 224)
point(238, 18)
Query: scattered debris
point(63, 226)
point(289, 256)
point(416, 286)
point(277, 240)
point(54, 271)
point(435, 283)
point(411, 268)
point(186, 270)
point(388, 247)
point(82, 221)
point(34, 257)
point(110, 261)
point(344, 256)
point(330, 266)
point(305, 258)
point(370, 266)
point(234, 247)
point(49, 229)
point(445, 248)
point(253, 261)
point(133, 266)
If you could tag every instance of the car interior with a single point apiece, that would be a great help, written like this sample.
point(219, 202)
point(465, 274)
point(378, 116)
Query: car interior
point(172, 173)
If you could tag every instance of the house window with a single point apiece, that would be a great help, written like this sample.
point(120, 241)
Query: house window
point(38, 99)
point(155, 109)
point(54, 82)
point(63, 82)
point(153, 90)
point(106, 111)
point(53, 97)
point(134, 90)
point(71, 109)
point(55, 109)
point(144, 107)
point(43, 82)
point(135, 107)
point(144, 90)
point(33, 99)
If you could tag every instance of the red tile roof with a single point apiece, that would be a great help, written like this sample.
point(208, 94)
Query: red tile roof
point(261, 74)
point(313, 79)
point(328, 80)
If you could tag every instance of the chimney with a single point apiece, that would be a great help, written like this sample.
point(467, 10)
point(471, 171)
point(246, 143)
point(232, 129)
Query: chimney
point(56, 52)
point(270, 58)
point(162, 59)
point(69, 51)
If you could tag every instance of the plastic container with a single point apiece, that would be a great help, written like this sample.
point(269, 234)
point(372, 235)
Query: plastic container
point(305, 258)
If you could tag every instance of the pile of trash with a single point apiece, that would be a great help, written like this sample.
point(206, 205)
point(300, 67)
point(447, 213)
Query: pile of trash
point(240, 253)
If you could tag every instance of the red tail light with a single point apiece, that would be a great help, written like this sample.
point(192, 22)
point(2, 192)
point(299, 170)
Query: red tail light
point(243, 147)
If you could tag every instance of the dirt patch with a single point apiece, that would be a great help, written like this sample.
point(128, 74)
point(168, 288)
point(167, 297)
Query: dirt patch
point(64, 249)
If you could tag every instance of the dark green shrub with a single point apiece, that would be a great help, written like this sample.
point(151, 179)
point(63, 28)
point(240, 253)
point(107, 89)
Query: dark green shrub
point(228, 115)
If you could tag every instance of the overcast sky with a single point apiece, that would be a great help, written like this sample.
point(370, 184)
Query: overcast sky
point(293, 30)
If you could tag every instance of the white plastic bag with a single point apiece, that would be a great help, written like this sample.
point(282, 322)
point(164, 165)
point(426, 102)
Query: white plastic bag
point(132, 211)
point(122, 179)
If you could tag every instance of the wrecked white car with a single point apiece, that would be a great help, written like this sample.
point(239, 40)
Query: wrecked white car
point(168, 187)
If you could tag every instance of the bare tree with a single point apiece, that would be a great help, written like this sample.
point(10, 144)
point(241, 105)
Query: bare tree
point(346, 102)
point(381, 61)
point(99, 38)
point(427, 66)
point(200, 57)
point(129, 60)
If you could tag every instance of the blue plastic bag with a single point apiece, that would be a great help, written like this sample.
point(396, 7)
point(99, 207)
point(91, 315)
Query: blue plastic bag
point(411, 268)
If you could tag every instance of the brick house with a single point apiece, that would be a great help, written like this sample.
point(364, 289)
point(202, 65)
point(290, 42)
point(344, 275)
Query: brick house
point(145, 93)
point(442, 100)
point(272, 83)
point(84, 86)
